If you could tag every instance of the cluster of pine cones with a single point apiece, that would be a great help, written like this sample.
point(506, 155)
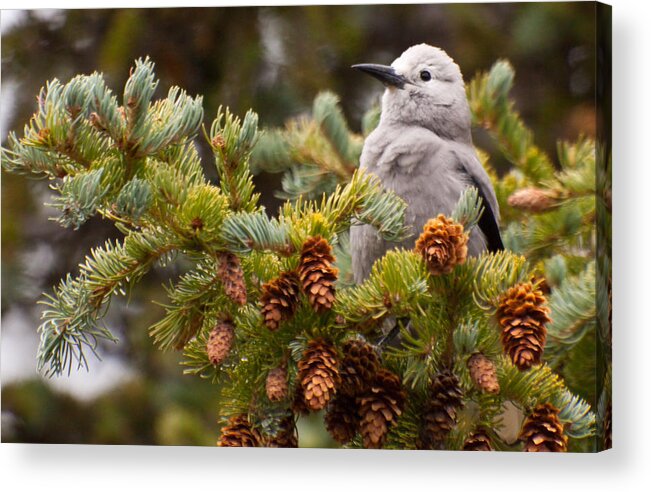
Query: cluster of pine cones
point(359, 396)
point(315, 276)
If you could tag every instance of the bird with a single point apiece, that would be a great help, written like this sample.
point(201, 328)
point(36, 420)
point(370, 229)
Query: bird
point(422, 150)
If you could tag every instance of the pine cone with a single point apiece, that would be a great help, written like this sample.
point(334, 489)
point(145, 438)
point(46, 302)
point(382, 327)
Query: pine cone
point(317, 273)
point(532, 199)
point(238, 433)
point(286, 437)
point(318, 372)
point(276, 384)
point(482, 371)
point(542, 431)
point(220, 342)
point(440, 414)
point(479, 441)
point(342, 418)
point(279, 299)
point(443, 245)
point(358, 367)
point(379, 408)
point(522, 313)
point(232, 277)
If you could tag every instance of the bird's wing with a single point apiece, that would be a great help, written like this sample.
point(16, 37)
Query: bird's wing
point(477, 177)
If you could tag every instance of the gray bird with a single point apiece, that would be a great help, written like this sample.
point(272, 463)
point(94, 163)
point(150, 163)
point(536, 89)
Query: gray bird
point(422, 150)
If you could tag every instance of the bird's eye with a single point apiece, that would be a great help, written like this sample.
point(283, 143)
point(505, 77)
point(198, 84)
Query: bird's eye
point(425, 75)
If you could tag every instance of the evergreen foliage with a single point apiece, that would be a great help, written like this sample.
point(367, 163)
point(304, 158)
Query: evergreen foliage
point(136, 164)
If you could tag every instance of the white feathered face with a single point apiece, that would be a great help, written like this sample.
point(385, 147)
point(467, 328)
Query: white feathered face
point(428, 70)
point(424, 88)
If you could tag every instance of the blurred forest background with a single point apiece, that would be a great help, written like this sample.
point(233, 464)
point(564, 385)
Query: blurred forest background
point(274, 60)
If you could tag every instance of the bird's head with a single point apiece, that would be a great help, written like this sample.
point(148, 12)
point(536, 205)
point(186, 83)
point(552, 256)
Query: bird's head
point(424, 88)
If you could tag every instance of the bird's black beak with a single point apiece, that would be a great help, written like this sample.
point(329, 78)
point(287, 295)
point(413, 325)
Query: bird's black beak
point(385, 74)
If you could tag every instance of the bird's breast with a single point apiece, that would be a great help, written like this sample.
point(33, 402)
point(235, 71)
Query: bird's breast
point(416, 165)
point(395, 150)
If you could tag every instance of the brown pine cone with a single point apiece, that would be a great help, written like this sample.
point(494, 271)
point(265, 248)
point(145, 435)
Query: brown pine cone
point(286, 437)
point(279, 299)
point(443, 245)
point(542, 431)
point(523, 314)
point(220, 342)
point(478, 441)
point(318, 371)
point(482, 372)
point(440, 414)
point(533, 199)
point(232, 277)
point(379, 408)
point(276, 384)
point(317, 274)
point(238, 433)
point(342, 418)
point(358, 367)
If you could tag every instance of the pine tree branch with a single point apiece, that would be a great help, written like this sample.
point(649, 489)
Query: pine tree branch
point(491, 109)
point(72, 320)
point(113, 266)
point(79, 198)
point(69, 328)
point(188, 304)
point(574, 314)
point(494, 273)
point(232, 142)
point(134, 199)
point(328, 115)
point(397, 285)
point(468, 209)
point(315, 154)
point(138, 92)
point(364, 199)
point(245, 232)
point(540, 385)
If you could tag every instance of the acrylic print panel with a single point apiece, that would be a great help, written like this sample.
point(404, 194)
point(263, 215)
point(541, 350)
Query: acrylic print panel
point(306, 226)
